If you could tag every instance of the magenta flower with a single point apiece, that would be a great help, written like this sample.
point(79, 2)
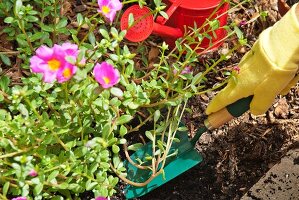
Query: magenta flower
point(109, 8)
point(32, 173)
point(101, 198)
point(243, 23)
point(52, 62)
point(237, 69)
point(186, 70)
point(19, 198)
point(106, 74)
point(65, 73)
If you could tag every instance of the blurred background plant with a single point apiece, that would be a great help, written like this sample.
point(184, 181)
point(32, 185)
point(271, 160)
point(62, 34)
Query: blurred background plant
point(59, 140)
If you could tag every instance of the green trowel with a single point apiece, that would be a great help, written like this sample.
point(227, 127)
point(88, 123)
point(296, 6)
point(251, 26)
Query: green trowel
point(186, 157)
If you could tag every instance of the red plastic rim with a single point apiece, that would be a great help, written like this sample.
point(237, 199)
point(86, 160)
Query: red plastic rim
point(143, 23)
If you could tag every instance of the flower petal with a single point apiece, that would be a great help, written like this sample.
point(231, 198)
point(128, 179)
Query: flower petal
point(49, 76)
point(44, 52)
point(70, 49)
point(66, 73)
point(37, 65)
point(106, 74)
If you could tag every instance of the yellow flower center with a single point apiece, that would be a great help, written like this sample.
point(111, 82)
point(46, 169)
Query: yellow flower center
point(105, 9)
point(54, 64)
point(67, 73)
point(106, 79)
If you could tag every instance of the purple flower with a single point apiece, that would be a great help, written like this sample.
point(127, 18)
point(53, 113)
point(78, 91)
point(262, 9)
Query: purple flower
point(186, 70)
point(65, 73)
point(106, 74)
point(32, 173)
point(101, 198)
point(19, 198)
point(237, 69)
point(243, 23)
point(109, 8)
point(52, 63)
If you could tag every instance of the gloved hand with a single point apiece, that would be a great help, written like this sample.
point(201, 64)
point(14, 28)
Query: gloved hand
point(268, 69)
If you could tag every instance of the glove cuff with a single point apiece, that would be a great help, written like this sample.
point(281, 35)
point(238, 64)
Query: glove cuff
point(280, 42)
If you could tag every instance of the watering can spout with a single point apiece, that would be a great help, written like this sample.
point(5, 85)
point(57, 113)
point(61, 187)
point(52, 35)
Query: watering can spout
point(144, 25)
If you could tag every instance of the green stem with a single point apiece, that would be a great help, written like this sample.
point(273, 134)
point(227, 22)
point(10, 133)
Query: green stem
point(8, 155)
point(26, 35)
point(130, 1)
point(41, 119)
point(54, 22)
point(3, 197)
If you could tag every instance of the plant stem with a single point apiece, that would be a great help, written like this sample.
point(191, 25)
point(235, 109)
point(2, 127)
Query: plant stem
point(14, 153)
point(41, 119)
point(135, 183)
point(3, 197)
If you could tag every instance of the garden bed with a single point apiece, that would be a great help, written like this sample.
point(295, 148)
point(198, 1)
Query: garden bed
point(237, 154)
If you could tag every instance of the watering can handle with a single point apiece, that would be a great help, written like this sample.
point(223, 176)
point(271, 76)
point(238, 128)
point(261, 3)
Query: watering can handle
point(161, 20)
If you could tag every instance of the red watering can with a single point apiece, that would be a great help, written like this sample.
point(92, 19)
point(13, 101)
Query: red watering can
point(181, 13)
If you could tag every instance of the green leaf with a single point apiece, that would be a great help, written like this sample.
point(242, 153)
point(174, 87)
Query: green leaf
point(81, 151)
point(123, 119)
point(22, 42)
point(90, 185)
point(116, 92)
point(31, 18)
point(62, 23)
point(149, 135)
point(38, 189)
point(52, 175)
point(92, 38)
point(135, 147)
point(5, 188)
point(164, 14)
point(17, 7)
point(1, 99)
point(131, 20)
point(104, 33)
point(115, 148)
point(157, 115)
point(123, 131)
point(197, 78)
point(5, 59)
point(80, 19)
point(47, 28)
point(36, 36)
point(106, 130)
point(8, 20)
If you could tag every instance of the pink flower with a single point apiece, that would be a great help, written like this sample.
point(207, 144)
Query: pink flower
point(106, 74)
point(65, 73)
point(186, 70)
point(243, 23)
point(109, 8)
point(19, 198)
point(32, 173)
point(52, 62)
point(237, 69)
point(101, 198)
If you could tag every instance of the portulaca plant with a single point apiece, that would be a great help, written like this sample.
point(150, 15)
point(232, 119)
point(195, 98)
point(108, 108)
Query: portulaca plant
point(85, 92)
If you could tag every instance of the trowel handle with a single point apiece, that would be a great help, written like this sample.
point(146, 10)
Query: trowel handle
point(223, 116)
point(226, 114)
point(161, 20)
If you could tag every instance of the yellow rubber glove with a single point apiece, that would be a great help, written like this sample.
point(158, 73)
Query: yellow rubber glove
point(267, 69)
